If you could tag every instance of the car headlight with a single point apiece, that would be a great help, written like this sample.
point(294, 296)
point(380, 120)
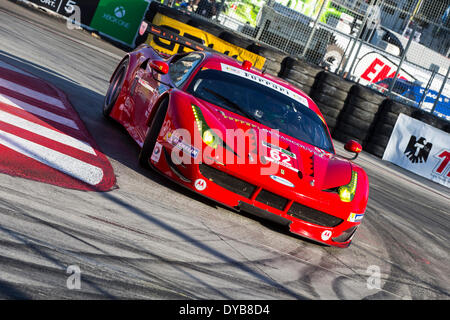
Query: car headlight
point(347, 192)
point(208, 135)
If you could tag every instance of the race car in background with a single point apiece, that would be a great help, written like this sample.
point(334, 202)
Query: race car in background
point(245, 139)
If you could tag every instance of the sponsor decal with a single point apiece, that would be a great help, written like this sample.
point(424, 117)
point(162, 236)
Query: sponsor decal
point(200, 184)
point(265, 82)
point(326, 235)
point(269, 145)
point(157, 152)
point(282, 181)
point(355, 217)
point(178, 143)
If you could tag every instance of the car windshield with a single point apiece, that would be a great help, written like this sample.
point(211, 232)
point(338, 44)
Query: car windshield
point(262, 104)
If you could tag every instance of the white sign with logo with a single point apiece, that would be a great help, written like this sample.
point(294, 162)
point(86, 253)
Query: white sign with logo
point(420, 148)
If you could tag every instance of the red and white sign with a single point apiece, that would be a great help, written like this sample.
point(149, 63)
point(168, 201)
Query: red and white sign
point(420, 148)
point(43, 139)
point(374, 67)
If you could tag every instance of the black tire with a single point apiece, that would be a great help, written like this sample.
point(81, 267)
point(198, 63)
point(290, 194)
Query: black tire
point(301, 77)
point(152, 134)
point(302, 67)
point(268, 53)
point(335, 81)
point(306, 89)
point(362, 104)
point(379, 139)
point(355, 122)
point(396, 107)
point(324, 99)
point(115, 87)
point(383, 129)
point(334, 92)
point(429, 119)
point(375, 149)
point(363, 115)
point(272, 67)
point(330, 112)
point(331, 122)
point(367, 94)
point(345, 137)
point(389, 118)
point(357, 133)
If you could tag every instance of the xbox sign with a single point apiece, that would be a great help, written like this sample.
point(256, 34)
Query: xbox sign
point(116, 18)
point(119, 12)
point(120, 19)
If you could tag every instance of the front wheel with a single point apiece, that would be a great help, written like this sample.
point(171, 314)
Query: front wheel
point(152, 134)
point(115, 88)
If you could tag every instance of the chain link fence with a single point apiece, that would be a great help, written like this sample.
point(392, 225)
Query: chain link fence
point(399, 48)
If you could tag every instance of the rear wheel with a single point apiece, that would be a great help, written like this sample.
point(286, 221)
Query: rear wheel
point(115, 88)
point(152, 134)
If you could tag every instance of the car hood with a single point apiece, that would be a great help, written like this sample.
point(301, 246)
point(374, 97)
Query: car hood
point(296, 161)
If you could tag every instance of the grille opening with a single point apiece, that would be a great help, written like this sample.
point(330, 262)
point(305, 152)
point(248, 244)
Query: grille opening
point(272, 200)
point(311, 215)
point(227, 181)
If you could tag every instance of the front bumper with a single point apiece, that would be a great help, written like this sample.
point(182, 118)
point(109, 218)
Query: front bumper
point(215, 183)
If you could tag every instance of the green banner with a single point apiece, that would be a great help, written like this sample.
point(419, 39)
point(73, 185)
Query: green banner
point(119, 19)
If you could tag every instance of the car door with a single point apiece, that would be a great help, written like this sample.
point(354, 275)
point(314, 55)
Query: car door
point(152, 85)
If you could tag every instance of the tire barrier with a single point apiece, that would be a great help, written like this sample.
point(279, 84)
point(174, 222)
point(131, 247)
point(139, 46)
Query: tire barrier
point(300, 73)
point(330, 93)
point(357, 118)
point(274, 58)
point(386, 119)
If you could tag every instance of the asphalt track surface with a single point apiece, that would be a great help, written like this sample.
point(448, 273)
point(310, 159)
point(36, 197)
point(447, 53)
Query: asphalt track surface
point(150, 239)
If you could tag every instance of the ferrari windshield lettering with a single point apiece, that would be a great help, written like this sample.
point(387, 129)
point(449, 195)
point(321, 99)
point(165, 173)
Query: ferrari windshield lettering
point(264, 82)
point(261, 103)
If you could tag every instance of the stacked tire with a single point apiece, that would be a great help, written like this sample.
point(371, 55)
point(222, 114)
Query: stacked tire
point(385, 122)
point(300, 73)
point(330, 93)
point(274, 58)
point(431, 120)
point(357, 118)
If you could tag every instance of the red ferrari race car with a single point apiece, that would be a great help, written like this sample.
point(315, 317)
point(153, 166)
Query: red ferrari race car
point(243, 138)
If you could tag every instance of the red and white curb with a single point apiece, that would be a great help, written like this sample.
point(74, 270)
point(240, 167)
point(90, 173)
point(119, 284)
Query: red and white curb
point(42, 137)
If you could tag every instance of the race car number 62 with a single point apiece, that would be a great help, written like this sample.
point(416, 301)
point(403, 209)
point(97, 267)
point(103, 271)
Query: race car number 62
point(276, 155)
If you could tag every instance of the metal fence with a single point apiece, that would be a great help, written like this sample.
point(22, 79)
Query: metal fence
point(400, 48)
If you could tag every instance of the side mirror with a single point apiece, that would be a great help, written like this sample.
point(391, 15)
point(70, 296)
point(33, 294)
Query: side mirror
point(159, 66)
point(353, 146)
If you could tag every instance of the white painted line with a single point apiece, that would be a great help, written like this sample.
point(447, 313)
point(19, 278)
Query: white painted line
point(12, 68)
point(45, 132)
point(31, 93)
point(16, 103)
point(59, 161)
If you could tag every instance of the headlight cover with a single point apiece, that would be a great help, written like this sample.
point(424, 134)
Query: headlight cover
point(208, 135)
point(347, 192)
